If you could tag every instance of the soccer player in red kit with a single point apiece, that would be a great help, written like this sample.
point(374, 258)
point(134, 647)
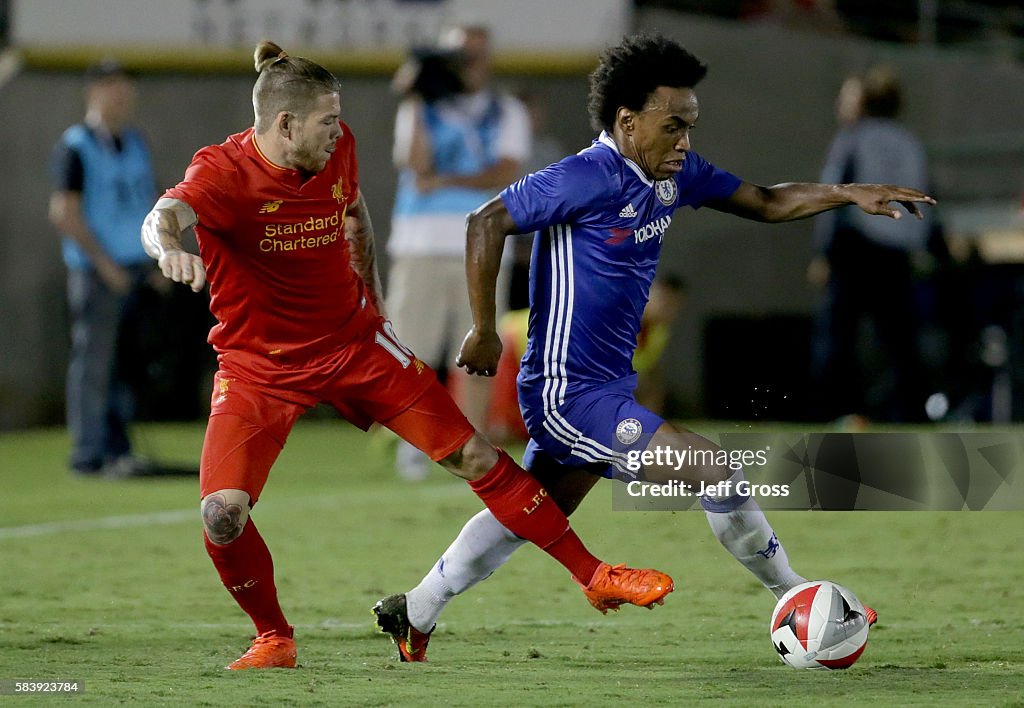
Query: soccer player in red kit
point(286, 244)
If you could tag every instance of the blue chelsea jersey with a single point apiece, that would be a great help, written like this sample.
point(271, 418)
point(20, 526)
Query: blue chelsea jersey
point(600, 223)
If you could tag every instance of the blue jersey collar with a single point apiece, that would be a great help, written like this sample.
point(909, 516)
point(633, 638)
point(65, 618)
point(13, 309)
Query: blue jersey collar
point(607, 139)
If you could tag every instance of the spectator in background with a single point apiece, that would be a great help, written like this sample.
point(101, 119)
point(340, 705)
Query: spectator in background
point(865, 264)
point(457, 142)
point(103, 189)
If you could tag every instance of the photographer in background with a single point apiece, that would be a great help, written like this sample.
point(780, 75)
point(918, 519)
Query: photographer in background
point(457, 143)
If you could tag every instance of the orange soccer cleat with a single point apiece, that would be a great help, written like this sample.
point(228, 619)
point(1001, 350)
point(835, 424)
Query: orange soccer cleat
point(268, 651)
point(614, 586)
point(870, 615)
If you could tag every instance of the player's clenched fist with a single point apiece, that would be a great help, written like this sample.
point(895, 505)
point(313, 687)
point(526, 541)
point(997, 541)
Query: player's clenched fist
point(161, 237)
point(480, 353)
point(183, 267)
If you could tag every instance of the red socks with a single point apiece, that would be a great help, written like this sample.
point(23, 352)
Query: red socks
point(523, 506)
point(515, 498)
point(247, 571)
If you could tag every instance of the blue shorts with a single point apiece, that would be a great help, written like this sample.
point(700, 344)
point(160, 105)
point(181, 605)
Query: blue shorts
point(601, 425)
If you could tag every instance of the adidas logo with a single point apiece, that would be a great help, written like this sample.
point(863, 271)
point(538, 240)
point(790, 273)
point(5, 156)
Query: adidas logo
point(629, 212)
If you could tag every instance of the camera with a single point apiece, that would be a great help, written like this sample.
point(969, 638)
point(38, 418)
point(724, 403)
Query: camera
point(430, 73)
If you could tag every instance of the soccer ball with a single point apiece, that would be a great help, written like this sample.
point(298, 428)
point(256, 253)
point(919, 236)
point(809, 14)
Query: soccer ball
point(819, 625)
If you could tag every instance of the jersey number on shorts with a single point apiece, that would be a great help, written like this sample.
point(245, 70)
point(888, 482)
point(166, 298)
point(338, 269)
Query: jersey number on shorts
point(389, 341)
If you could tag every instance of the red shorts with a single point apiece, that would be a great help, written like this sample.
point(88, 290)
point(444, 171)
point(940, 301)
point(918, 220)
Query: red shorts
point(257, 400)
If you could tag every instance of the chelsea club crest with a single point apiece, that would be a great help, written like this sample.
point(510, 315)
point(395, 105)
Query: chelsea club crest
point(667, 191)
point(628, 431)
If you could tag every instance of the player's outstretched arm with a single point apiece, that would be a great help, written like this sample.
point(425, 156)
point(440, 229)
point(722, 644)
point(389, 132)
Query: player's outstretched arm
point(161, 237)
point(799, 200)
point(359, 234)
point(486, 229)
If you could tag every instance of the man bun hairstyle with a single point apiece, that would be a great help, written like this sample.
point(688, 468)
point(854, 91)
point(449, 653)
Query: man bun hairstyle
point(286, 83)
point(629, 72)
point(267, 53)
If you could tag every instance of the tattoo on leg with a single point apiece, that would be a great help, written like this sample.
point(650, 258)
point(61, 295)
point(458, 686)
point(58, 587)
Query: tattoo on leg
point(221, 519)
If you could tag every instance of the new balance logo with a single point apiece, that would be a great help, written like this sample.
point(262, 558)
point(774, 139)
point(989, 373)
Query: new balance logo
point(271, 207)
point(629, 212)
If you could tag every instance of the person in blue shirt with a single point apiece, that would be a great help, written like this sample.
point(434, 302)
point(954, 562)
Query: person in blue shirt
point(103, 189)
point(872, 145)
point(600, 217)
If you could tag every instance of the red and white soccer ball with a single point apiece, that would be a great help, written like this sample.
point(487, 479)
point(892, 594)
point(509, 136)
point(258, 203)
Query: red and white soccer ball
point(819, 625)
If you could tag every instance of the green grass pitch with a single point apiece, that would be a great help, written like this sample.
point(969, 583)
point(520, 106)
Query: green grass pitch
point(107, 583)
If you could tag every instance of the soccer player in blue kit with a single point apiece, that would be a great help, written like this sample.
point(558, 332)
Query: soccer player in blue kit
point(600, 218)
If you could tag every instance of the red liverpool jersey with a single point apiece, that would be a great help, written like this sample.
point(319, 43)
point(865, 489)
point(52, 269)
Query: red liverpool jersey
point(273, 244)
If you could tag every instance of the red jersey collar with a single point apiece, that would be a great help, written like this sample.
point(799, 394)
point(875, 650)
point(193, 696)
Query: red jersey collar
point(250, 148)
point(250, 141)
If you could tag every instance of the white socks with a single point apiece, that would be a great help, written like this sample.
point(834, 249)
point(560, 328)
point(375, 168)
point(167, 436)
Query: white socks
point(481, 547)
point(484, 545)
point(747, 535)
